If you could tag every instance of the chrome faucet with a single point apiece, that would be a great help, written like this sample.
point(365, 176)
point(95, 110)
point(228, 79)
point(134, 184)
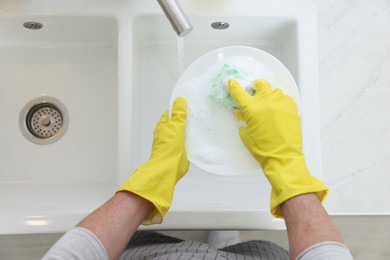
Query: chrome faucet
point(176, 17)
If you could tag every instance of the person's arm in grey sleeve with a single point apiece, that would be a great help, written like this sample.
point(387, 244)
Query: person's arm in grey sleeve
point(325, 251)
point(77, 243)
point(105, 232)
point(145, 197)
point(272, 133)
point(308, 225)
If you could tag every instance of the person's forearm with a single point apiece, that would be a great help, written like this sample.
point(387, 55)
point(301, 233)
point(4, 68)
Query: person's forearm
point(307, 223)
point(115, 222)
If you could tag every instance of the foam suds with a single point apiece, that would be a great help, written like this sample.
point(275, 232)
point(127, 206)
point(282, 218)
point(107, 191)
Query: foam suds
point(212, 138)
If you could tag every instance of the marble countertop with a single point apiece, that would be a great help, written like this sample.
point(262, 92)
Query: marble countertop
point(354, 54)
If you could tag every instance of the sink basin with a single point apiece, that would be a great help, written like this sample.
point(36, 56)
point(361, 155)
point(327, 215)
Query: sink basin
point(158, 59)
point(113, 67)
point(70, 60)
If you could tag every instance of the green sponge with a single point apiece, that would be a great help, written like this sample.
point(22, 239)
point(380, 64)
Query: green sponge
point(219, 92)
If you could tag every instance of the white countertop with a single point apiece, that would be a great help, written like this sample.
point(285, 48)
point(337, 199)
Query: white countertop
point(354, 54)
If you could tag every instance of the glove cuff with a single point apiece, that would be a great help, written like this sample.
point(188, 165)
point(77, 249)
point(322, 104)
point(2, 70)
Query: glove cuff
point(290, 177)
point(279, 196)
point(144, 183)
point(158, 212)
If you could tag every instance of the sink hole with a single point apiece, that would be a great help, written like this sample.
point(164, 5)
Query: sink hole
point(33, 25)
point(44, 120)
point(220, 25)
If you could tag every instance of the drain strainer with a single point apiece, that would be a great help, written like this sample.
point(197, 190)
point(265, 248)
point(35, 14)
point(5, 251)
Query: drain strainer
point(43, 120)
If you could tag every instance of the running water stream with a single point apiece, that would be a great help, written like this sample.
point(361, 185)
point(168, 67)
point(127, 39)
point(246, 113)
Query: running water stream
point(180, 53)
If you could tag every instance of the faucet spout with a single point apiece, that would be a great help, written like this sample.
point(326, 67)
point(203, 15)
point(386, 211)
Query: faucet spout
point(176, 17)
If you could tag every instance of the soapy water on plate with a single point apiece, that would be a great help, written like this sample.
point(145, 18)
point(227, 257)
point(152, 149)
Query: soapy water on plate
point(245, 73)
point(212, 137)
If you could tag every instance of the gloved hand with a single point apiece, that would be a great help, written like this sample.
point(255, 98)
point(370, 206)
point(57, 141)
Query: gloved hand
point(155, 180)
point(273, 136)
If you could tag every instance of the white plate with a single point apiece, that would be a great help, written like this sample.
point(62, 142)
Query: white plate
point(212, 140)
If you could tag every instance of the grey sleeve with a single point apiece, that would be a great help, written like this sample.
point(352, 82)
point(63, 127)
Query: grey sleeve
point(325, 251)
point(77, 243)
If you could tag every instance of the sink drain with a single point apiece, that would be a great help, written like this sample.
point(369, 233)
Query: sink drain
point(43, 120)
point(220, 25)
point(33, 25)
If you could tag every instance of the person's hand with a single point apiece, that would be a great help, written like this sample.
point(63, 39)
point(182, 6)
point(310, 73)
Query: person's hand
point(272, 135)
point(155, 180)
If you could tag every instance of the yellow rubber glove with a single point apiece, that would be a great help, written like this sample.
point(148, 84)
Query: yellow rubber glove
point(273, 136)
point(155, 180)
